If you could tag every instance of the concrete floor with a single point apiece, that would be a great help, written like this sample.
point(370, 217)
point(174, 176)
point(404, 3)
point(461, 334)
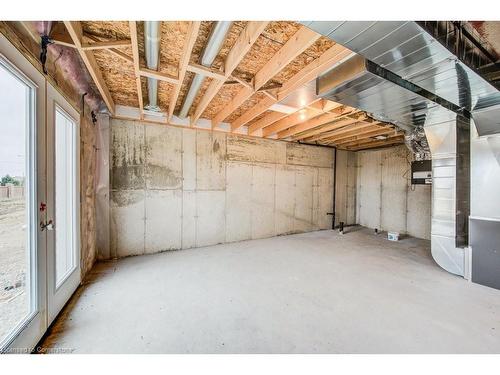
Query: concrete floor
point(316, 292)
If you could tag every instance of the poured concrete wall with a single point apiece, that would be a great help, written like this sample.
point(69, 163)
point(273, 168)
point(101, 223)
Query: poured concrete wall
point(385, 198)
point(175, 188)
point(345, 196)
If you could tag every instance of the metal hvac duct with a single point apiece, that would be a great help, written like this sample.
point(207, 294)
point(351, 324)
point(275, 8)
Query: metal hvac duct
point(357, 83)
point(407, 50)
point(215, 41)
point(403, 75)
point(362, 84)
point(152, 37)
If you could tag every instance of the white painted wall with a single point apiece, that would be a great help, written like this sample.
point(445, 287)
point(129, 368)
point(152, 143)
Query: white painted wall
point(485, 174)
point(177, 188)
point(385, 198)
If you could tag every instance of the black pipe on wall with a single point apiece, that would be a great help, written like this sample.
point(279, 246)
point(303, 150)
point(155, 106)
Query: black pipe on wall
point(334, 184)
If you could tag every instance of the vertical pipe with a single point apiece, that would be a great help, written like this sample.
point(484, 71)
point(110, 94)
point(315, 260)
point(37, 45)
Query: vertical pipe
point(334, 184)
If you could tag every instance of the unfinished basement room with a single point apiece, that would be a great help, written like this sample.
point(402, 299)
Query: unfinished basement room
point(224, 187)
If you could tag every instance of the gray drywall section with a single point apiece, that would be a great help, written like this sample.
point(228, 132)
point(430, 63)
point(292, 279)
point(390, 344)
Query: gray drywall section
point(175, 188)
point(386, 200)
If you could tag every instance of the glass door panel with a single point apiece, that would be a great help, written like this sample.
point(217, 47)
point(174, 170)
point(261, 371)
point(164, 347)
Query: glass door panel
point(63, 240)
point(18, 212)
point(65, 173)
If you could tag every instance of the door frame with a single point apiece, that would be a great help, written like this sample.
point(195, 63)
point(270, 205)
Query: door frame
point(31, 330)
point(58, 295)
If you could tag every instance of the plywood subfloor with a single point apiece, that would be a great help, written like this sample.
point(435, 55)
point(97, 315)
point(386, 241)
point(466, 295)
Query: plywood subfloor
point(317, 292)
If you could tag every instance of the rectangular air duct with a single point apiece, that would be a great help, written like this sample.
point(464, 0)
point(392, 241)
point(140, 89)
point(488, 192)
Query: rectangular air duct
point(362, 84)
point(409, 51)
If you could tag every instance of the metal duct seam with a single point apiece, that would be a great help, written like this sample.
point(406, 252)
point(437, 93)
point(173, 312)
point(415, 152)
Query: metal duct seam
point(214, 44)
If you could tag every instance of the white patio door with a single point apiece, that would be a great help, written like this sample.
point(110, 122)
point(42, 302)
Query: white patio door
point(63, 202)
point(23, 313)
point(39, 202)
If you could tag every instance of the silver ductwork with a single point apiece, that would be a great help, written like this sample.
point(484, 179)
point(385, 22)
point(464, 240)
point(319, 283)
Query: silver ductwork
point(487, 119)
point(430, 129)
point(405, 76)
point(416, 141)
point(214, 44)
point(446, 203)
point(406, 49)
point(362, 84)
point(152, 35)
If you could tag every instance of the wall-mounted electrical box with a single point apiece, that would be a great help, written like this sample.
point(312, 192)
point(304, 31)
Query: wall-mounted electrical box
point(421, 172)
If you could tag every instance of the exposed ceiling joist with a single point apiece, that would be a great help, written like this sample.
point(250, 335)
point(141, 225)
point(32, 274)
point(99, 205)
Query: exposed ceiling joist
point(145, 72)
point(297, 44)
point(241, 81)
point(295, 118)
point(266, 121)
point(367, 137)
point(192, 34)
point(114, 51)
point(75, 31)
point(106, 44)
point(391, 141)
point(137, 67)
point(121, 55)
point(326, 61)
point(245, 41)
point(319, 121)
point(207, 72)
point(324, 131)
point(55, 36)
point(313, 123)
point(356, 132)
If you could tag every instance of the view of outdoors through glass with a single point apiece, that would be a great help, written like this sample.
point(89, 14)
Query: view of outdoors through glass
point(14, 209)
point(65, 199)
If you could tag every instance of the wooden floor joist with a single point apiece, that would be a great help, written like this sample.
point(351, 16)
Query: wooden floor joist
point(295, 118)
point(323, 131)
point(75, 31)
point(361, 134)
point(388, 132)
point(323, 119)
point(114, 51)
point(332, 131)
point(149, 73)
point(192, 34)
point(327, 60)
point(392, 141)
point(243, 44)
point(137, 66)
point(297, 44)
point(107, 44)
point(355, 129)
point(265, 121)
point(238, 74)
